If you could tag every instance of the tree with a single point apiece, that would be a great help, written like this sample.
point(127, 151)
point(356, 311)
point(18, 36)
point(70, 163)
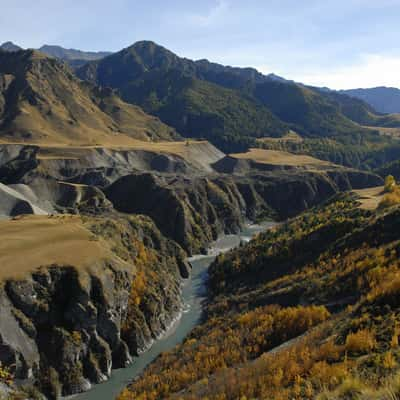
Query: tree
point(390, 184)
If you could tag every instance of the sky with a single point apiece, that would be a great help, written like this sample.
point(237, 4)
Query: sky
point(339, 44)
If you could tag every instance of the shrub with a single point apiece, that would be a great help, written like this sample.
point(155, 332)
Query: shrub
point(362, 341)
point(390, 184)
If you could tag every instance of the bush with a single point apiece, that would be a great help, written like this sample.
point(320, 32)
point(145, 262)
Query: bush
point(362, 341)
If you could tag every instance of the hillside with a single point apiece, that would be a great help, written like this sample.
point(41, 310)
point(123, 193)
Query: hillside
point(171, 88)
point(360, 111)
point(42, 102)
point(382, 99)
point(175, 89)
point(82, 294)
point(102, 203)
point(307, 310)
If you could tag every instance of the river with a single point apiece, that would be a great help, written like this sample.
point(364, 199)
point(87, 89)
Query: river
point(194, 294)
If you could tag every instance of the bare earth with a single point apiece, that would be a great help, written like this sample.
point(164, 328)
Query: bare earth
point(370, 198)
point(29, 242)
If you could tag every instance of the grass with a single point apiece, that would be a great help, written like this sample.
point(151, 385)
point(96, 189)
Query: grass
point(198, 153)
point(292, 136)
point(276, 157)
point(61, 109)
point(30, 242)
point(370, 198)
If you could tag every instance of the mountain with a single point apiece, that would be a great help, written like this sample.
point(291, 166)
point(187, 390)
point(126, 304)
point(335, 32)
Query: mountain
point(185, 94)
point(10, 46)
point(360, 110)
point(382, 99)
point(97, 225)
point(191, 96)
point(75, 58)
point(41, 101)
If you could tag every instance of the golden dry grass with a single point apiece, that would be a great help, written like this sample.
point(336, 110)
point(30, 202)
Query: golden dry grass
point(30, 242)
point(55, 150)
point(292, 136)
point(276, 157)
point(370, 198)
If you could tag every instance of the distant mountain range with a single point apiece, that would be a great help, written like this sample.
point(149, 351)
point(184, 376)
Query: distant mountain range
point(10, 46)
point(75, 58)
point(229, 106)
point(382, 99)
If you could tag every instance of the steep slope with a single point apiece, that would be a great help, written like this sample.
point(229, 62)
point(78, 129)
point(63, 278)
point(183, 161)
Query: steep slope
point(309, 309)
point(382, 99)
point(80, 296)
point(310, 112)
point(187, 94)
point(392, 168)
point(359, 110)
point(174, 89)
point(42, 102)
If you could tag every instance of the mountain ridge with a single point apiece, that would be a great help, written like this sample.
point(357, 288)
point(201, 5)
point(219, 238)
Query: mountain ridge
point(134, 70)
point(74, 57)
point(383, 99)
point(42, 101)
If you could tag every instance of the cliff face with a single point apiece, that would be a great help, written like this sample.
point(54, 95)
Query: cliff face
point(65, 327)
point(193, 211)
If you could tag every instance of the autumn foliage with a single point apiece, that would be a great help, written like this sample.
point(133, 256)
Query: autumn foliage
point(256, 344)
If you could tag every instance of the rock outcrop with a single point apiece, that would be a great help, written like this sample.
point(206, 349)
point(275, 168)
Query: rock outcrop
point(64, 327)
point(194, 210)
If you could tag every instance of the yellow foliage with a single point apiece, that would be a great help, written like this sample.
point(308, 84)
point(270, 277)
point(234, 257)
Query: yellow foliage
point(390, 184)
point(389, 361)
point(76, 337)
point(362, 341)
point(390, 199)
point(138, 287)
point(5, 375)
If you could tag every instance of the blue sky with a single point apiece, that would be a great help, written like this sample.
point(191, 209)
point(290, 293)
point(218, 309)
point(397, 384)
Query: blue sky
point(340, 44)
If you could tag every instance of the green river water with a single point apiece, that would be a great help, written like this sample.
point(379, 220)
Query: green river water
point(194, 294)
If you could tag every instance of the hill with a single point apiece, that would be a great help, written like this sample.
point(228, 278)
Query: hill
point(41, 101)
point(173, 88)
point(189, 95)
point(306, 310)
point(382, 99)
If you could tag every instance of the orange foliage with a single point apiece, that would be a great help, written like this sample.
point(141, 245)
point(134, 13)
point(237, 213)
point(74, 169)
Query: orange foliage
point(362, 341)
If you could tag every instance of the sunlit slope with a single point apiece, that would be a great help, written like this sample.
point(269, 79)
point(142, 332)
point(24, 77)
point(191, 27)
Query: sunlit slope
point(42, 102)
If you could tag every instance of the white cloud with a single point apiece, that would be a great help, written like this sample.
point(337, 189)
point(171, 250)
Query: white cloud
point(213, 15)
point(370, 71)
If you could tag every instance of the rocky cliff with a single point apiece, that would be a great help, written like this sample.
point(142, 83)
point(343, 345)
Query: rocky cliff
point(65, 325)
point(194, 210)
point(81, 294)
